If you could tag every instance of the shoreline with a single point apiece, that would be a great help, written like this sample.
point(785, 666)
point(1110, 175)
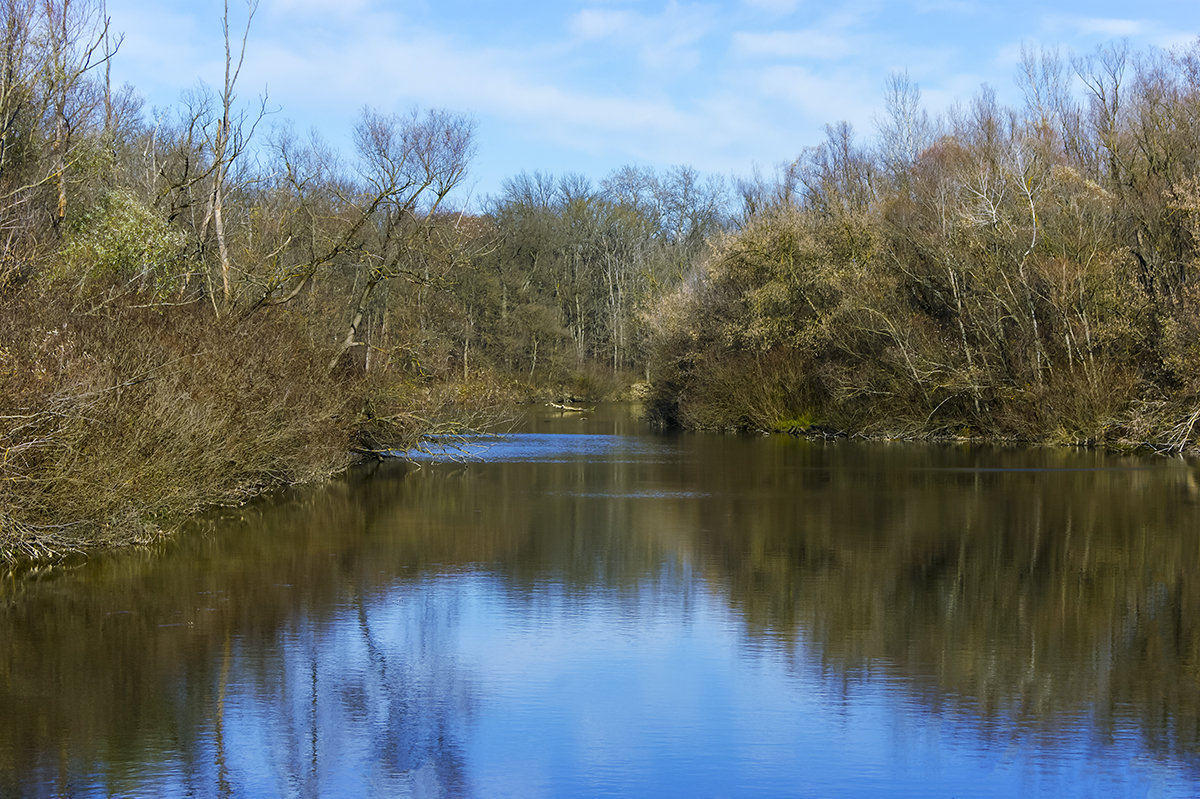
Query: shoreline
point(36, 549)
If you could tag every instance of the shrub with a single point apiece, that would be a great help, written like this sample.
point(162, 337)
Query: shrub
point(115, 425)
point(121, 245)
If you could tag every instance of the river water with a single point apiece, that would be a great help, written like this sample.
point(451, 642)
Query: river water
point(589, 608)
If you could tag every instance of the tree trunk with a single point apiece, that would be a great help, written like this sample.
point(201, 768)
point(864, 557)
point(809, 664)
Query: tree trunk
point(360, 310)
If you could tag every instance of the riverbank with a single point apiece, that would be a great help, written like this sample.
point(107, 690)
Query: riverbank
point(116, 426)
point(1160, 428)
point(810, 319)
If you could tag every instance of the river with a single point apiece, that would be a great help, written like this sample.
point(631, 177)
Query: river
point(590, 608)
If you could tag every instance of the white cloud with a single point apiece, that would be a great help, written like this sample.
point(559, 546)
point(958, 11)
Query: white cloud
point(826, 97)
point(947, 6)
point(594, 23)
point(321, 8)
point(1110, 28)
point(384, 72)
point(1096, 27)
point(778, 7)
point(667, 41)
point(816, 44)
point(1176, 41)
point(1008, 57)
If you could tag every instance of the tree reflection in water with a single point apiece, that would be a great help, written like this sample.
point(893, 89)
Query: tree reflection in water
point(334, 641)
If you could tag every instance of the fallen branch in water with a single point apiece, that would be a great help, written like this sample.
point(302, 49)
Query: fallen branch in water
point(569, 408)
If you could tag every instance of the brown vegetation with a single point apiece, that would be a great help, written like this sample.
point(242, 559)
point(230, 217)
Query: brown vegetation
point(182, 328)
point(182, 325)
point(1024, 275)
point(137, 415)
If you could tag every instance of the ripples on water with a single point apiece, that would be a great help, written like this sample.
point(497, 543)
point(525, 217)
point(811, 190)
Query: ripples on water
point(585, 611)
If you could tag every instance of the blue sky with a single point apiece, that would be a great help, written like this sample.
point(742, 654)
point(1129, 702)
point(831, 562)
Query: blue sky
point(589, 86)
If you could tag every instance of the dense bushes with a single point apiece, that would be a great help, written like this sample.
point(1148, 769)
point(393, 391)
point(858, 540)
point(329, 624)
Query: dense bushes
point(1025, 275)
point(115, 424)
point(118, 420)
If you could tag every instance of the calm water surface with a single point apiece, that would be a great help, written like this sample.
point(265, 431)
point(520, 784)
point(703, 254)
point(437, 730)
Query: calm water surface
point(588, 608)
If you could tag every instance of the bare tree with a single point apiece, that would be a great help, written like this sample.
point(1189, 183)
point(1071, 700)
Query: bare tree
point(18, 72)
point(228, 139)
point(77, 42)
point(836, 176)
point(408, 165)
point(1103, 74)
point(905, 130)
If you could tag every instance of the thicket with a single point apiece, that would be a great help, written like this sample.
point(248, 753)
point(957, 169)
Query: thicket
point(1028, 274)
point(186, 319)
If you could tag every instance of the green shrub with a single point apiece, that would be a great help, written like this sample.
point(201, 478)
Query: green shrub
point(121, 244)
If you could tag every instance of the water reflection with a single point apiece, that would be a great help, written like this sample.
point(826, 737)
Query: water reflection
point(538, 448)
point(613, 614)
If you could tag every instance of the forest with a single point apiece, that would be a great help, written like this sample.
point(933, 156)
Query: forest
point(1018, 274)
point(199, 305)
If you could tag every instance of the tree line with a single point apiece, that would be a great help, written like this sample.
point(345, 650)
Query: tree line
point(200, 304)
point(1023, 273)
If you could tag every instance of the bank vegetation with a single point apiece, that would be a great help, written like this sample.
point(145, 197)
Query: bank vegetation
point(1009, 273)
point(198, 304)
point(196, 307)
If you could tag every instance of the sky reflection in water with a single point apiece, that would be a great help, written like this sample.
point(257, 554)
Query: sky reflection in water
point(536, 448)
point(459, 685)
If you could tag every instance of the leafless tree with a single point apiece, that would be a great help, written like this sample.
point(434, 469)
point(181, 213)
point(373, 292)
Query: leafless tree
point(227, 141)
point(77, 41)
point(905, 130)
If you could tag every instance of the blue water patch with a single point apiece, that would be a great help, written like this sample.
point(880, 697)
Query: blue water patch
point(534, 448)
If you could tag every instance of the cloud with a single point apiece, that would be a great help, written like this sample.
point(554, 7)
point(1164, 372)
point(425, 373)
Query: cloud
point(814, 44)
point(594, 23)
point(722, 121)
point(1096, 27)
point(827, 96)
point(1110, 28)
point(777, 7)
point(1008, 57)
point(394, 73)
point(669, 40)
point(947, 6)
point(318, 8)
point(1175, 40)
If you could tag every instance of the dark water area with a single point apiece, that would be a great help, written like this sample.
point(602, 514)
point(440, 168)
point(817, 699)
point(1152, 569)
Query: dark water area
point(587, 607)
